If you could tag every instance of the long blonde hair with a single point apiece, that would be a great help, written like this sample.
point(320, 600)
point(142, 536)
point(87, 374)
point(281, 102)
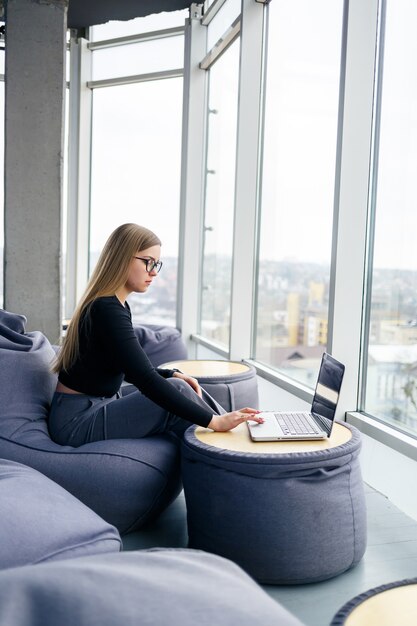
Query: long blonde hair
point(109, 275)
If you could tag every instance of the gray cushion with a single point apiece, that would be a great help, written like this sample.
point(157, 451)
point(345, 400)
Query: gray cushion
point(149, 588)
point(40, 521)
point(284, 518)
point(161, 343)
point(125, 481)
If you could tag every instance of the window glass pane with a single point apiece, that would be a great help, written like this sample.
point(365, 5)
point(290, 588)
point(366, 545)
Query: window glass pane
point(220, 196)
point(159, 21)
point(136, 156)
point(222, 20)
point(391, 388)
point(299, 154)
point(139, 58)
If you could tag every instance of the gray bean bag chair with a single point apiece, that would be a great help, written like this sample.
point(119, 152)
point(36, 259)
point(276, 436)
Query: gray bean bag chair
point(147, 588)
point(40, 521)
point(125, 481)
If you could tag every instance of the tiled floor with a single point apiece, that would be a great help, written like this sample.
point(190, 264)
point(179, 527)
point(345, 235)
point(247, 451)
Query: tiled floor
point(391, 555)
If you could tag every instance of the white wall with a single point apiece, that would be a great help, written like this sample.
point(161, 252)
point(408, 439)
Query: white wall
point(391, 473)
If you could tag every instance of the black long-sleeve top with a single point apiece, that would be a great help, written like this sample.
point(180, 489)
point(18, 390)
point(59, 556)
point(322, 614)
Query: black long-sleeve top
point(109, 352)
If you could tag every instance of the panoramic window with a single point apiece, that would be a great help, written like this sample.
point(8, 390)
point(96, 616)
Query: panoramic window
point(391, 363)
point(220, 197)
point(297, 185)
point(136, 166)
point(136, 155)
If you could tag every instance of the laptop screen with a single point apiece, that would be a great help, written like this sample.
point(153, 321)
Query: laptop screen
point(328, 387)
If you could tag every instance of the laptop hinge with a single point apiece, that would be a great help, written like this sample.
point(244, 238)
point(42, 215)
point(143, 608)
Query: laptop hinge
point(325, 423)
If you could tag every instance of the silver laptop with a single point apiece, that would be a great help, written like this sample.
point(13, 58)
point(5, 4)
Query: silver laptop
point(318, 423)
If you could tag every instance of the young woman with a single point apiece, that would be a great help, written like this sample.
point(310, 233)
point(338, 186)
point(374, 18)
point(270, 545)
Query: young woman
point(101, 350)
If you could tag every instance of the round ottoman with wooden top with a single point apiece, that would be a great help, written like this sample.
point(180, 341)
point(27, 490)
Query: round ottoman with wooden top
point(394, 603)
point(287, 512)
point(231, 383)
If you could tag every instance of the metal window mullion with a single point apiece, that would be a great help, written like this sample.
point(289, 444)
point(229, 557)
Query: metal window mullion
point(205, 227)
point(369, 259)
point(247, 171)
point(192, 180)
point(79, 150)
point(212, 11)
point(135, 78)
point(231, 34)
point(139, 38)
point(336, 193)
point(211, 345)
point(349, 251)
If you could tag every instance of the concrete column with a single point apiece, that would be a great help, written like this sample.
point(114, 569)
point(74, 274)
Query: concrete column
point(34, 123)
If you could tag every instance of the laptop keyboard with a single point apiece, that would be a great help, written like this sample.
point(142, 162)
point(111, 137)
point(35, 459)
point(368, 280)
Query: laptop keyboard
point(296, 424)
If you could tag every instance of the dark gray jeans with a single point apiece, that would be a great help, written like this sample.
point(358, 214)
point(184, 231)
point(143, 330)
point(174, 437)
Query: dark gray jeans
point(76, 419)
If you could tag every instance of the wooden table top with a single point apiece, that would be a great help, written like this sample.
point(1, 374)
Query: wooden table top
point(207, 368)
point(393, 606)
point(239, 440)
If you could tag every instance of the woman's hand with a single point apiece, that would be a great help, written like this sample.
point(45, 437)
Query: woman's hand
point(193, 382)
point(227, 421)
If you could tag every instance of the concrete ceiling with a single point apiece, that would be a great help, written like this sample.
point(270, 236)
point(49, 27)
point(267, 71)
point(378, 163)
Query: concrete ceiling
point(83, 13)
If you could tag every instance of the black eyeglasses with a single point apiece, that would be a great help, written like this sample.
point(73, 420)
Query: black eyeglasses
point(151, 264)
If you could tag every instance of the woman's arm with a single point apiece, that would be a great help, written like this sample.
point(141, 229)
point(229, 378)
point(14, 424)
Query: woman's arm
point(193, 382)
point(112, 323)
